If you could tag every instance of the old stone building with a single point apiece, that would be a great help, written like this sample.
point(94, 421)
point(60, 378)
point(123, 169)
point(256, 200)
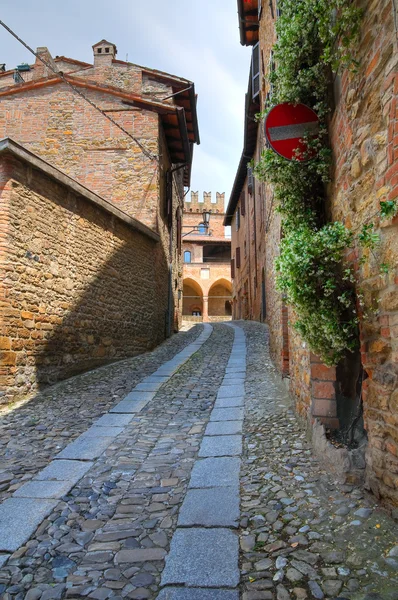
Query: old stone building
point(207, 255)
point(363, 134)
point(138, 170)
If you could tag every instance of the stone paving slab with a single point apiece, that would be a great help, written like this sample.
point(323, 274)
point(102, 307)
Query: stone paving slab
point(202, 557)
point(64, 470)
point(229, 402)
point(138, 396)
point(114, 420)
point(148, 386)
point(178, 593)
point(166, 371)
point(102, 431)
point(224, 427)
point(19, 517)
point(85, 448)
point(231, 391)
point(215, 472)
point(44, 489)
point(221, 445)
point(231, 379)
point(129, 407)
point(155, 379)
point(236, 370)
point(227, 414)
point(210, 507)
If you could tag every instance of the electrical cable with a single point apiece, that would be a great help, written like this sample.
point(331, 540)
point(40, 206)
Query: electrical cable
point(146, 152)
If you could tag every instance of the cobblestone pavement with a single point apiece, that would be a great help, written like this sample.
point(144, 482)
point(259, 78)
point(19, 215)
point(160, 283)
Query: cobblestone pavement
point(302, 535)
point(32, 434)
point(108, 537)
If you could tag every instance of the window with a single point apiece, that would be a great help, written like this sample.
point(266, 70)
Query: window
point(245, 249)
point(179, 230)
point(187, 256)
point(201, 228)
point(250, 181)
point(232, 268)
point(169, 198)
point(238, 258)
point(237, 217)
point(99, 50)
point(260, 8)
point(243, 204)
point(256, 71)
point(107, 50)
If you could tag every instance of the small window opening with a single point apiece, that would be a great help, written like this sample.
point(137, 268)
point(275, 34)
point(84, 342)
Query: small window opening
point(99, 50)
point(107, 50)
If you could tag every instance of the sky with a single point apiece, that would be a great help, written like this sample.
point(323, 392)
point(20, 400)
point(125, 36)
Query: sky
point(194, 39)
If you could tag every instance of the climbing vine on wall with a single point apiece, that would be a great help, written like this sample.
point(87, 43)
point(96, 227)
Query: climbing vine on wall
point(314, 39)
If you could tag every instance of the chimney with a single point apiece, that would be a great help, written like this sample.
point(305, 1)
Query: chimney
point(104, 53)
point(40, 70)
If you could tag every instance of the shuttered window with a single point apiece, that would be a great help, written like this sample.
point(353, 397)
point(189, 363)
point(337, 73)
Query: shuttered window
point(243, 203)
point(232, 268)
point(169, 197)
point(237, 218)
point(238, 258)
point(256, 70)
point(250, 180)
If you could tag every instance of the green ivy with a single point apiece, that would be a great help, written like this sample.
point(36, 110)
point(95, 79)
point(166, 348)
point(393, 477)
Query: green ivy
point(314, 38)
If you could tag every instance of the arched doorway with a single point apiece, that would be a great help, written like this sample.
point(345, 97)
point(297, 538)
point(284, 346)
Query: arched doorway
point(220, 294)
point(192, 304)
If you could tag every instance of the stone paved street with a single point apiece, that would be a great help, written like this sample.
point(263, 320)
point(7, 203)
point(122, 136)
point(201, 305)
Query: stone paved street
point(157, 510)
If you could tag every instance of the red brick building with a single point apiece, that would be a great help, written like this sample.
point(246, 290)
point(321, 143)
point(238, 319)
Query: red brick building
point(141, 170)
point(363, 132)
point(207, 256)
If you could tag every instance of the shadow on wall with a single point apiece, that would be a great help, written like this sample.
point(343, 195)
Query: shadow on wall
point(84, 287)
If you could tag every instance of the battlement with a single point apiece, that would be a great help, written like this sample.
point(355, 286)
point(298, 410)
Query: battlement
point(198, 204)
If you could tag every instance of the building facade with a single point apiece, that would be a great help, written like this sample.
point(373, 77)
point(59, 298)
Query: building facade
point(363, 134)
point(207, 255)
point(139, 168)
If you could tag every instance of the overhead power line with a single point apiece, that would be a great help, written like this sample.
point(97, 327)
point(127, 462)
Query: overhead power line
point(146, 152)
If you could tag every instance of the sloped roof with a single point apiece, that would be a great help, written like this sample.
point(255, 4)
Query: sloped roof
point(248, 21)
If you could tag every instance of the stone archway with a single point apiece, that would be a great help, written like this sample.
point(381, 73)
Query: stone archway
point(192, 298)
point(220, 296)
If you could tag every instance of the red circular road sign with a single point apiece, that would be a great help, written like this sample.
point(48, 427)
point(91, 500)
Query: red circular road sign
point(286, 125)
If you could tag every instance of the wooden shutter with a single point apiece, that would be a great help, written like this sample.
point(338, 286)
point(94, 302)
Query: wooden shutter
point(179, 232)
point(232, 268)
point(169, 197)
point(250, 179)
point(243, 204)
point(237, 216)
point(238, 258)
point(256, 71)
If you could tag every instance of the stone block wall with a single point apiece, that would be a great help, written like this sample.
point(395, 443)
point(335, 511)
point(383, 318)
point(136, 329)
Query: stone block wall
point(79, 286)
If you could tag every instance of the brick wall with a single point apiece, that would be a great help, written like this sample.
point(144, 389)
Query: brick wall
point(79, 286)
point(364, 133)
point(78, 140)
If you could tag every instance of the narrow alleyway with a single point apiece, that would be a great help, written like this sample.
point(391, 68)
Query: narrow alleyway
point(127, 478)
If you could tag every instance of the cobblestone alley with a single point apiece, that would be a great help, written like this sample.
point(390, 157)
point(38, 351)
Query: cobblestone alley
point(182, 474)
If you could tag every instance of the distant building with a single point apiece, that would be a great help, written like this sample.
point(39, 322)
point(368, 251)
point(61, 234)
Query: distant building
point(82, 285)
point(207, 257)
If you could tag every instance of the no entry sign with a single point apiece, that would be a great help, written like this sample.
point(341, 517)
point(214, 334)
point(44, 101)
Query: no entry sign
point(285, 127)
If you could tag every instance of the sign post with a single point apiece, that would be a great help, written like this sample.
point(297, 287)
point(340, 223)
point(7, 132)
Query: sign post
point(285, 127)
